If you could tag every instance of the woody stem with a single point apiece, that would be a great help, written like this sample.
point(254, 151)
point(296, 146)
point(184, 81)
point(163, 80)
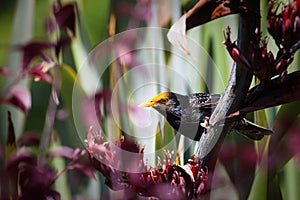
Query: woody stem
point(239, 82)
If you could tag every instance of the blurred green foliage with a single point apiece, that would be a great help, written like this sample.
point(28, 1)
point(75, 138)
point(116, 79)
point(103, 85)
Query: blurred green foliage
point(93, 21)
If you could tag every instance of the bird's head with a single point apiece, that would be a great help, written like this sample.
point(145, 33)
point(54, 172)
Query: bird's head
point(166, 102)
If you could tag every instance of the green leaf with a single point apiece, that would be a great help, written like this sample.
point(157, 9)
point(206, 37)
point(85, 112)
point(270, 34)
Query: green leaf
point(21, 33)
point(285, 118)
point(170, 142)
point(6, 21)
point(42, 10)
point(291, 181)
point(40, 94)
point(159, 144)
point(80, 49)
point(61, 184)
point(95, 16)
point(260, 118)
point(72, 96)
point(211, 39)
point(259, 187)
point(11, 137)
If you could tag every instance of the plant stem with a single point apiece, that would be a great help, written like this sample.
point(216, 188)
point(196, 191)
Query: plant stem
point(239, 82)
point(50, 117)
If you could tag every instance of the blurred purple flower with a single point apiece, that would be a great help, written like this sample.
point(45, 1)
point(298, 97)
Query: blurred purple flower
point(64, 151)
point(140, 11)
point(124, 54)
point(24, 156)
point(62, 42)
point(32, 50)
point(50, 25)
point(95, 107)
point(65, 16)
point(293, 141)
point(39, 72)
point(240, 160)
point(35, 182)
point(138, 115)
point(166, 181)
point(125, 50)
point(73, 155)
point(29, 139)
point(5, 71)
point(245, 154)
point(19, 97)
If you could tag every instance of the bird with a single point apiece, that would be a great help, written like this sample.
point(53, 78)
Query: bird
point(189, 114)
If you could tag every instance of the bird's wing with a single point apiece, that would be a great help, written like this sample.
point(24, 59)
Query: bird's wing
point(204, 100)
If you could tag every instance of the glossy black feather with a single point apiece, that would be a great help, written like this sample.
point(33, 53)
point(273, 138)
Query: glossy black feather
point(187, 113)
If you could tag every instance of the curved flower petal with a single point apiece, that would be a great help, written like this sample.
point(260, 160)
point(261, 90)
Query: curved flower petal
point(20, 97)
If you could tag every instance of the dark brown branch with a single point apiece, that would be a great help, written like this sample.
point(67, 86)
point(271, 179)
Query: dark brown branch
point(238, 85)
point(208, 10)
point(278, 92)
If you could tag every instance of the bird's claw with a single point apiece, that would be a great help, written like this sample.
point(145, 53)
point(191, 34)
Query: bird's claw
point(205, 124)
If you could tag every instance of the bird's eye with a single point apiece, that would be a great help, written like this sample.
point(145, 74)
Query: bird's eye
point(163, 101)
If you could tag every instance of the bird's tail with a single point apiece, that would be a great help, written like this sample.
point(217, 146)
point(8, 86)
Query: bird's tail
point(251, 130)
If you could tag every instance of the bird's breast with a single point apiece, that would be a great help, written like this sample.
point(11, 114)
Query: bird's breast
point(193, 115)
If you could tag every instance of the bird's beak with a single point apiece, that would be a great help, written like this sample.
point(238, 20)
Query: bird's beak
point(147, 104)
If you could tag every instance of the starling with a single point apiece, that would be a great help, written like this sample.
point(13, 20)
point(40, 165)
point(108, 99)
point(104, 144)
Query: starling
point(189, 114)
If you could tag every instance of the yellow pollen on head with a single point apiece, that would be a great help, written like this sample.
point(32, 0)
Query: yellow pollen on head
point(156, 99)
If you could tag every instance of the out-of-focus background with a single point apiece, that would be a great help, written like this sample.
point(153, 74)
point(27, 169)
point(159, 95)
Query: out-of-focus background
point(139, 74)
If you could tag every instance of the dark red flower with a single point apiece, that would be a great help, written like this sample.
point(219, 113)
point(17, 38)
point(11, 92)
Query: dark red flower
point(62, 42)
point(284, 26)
point(32, 50)
point(265, 67)
point(35, 183)
point(39, 72)
point(29, 138)
point(130, 173)
point(19, 157)
point(65, 16)
point(19, 97)
point(263, 62)
point(260, 62)
point(235, 52)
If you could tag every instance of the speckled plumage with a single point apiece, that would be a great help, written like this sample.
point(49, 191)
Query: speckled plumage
point(187, 113)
